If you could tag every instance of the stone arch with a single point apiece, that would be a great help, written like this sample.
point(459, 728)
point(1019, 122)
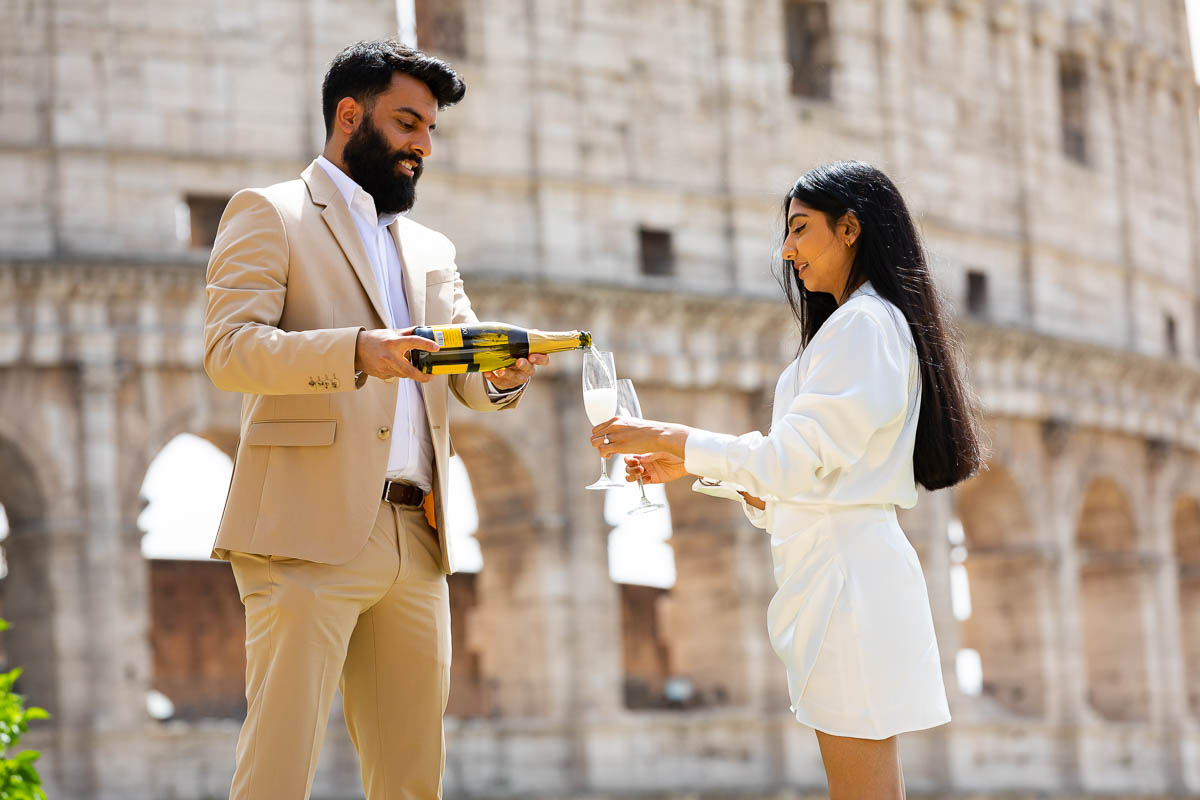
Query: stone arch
point(502, 481)
point(1106, 521)
point(1113, 603)
point(1185, 527)
point(27, 590)
point(1007, 572)
point(194, 618)
point(140, 455)
point(497, 615)
point(644, 593)
point(196, 621)
point(722, 586)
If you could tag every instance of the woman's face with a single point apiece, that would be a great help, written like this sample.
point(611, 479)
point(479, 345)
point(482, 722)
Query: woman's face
point(821, 254)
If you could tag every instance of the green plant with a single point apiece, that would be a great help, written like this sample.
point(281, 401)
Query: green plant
point(19, 779)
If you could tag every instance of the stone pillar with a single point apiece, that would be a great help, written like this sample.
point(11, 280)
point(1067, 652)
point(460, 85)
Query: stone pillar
point(593, 635)
point(715, 616)
point(1168, 681)
point(115, 587)
point(1066, 684)
point(517, 625)
point(48, 641)
point(926, 525)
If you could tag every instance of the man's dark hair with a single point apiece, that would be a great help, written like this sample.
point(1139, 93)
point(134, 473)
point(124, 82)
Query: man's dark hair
point(364, 71)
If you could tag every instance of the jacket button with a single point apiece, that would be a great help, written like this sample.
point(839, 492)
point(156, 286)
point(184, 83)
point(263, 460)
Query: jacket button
point(384, 432)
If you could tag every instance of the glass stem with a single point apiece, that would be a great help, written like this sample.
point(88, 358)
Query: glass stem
point(642, 486)
point(603, 468)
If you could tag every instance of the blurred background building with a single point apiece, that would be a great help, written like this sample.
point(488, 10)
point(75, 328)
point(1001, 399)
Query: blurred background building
point(619, 166)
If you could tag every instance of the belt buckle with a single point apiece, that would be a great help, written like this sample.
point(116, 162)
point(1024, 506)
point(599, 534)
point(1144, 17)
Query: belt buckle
point(389, 483)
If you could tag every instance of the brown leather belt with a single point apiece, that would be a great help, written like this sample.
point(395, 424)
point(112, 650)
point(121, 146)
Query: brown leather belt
point(403, 494)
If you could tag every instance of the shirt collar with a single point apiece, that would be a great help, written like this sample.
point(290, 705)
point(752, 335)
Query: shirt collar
point(356, 197)
point(866, 289)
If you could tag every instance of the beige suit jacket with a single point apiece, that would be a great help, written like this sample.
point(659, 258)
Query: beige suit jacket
point(289, 287)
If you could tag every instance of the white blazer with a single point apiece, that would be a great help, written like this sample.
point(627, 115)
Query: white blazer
point(851, 619)
point(844, 421)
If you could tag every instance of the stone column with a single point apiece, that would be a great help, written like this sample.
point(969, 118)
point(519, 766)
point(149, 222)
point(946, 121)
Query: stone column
point(715, 618)
point(926, 526)
point(48, 641)
point(1168, 679)
point(115, 587)
point(1066, 682)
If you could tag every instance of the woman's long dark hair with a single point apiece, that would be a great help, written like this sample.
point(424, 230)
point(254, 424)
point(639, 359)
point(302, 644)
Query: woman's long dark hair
point(948, 447)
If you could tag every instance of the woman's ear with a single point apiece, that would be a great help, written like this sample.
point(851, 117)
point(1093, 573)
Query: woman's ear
point(849, 228)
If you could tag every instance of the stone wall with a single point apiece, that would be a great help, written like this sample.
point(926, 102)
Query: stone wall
point(586, 124)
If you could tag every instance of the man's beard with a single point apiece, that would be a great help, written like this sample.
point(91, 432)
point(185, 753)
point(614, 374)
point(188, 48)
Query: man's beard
point(375, 167)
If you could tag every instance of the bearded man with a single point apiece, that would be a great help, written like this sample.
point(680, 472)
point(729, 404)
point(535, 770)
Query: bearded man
point(334, 523)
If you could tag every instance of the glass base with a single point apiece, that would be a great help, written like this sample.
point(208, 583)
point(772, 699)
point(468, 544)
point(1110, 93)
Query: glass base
point(605, 483)
point(645, 508)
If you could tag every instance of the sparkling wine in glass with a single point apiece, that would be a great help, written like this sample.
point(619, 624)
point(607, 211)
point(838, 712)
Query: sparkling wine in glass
point(628, 406)
point(600, 401)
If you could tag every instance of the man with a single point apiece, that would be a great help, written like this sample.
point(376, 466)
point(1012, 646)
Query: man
point(313, 287)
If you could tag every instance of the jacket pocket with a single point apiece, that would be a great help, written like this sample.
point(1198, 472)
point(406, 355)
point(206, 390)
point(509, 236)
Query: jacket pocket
point(292, 433)
point(440, 275)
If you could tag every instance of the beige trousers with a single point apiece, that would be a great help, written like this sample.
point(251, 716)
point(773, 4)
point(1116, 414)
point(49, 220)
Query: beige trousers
point(378, 627)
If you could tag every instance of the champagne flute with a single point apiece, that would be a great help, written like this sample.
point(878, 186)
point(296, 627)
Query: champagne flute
point(628, 405)
point(600, 401)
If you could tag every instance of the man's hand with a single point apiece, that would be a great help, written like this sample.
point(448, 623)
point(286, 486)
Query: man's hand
point(518, 374)
point(384, 353)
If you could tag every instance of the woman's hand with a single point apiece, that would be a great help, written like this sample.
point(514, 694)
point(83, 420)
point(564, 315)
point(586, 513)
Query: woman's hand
point(630, 435)
point(654, 468)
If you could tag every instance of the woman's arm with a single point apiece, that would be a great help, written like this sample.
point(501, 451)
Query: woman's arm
point(665, 443)
point(856, 383)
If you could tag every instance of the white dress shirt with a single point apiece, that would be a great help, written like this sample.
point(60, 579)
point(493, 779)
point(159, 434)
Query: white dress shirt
point(410, 457)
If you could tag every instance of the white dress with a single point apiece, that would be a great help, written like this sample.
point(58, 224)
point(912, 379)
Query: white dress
point(851, 618)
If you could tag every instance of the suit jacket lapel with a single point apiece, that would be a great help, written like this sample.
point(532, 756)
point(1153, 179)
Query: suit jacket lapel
point(414, 270)
point(337, 216)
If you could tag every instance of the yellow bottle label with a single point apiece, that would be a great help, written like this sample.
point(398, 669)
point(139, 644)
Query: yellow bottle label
point(448, 337)
point(450, 369)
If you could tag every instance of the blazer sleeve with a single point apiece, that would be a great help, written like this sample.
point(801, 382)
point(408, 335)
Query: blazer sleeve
point(856, 383)
point(244, 349)
point(471, 388)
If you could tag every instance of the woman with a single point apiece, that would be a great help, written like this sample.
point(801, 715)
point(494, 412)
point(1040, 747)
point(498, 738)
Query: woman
point(874, 404)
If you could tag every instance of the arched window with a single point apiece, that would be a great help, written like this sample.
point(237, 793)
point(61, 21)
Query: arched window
point(997, 588)
point(643, 566)
point(462, 519)
point(1113, 604)
point(468, 689)
point(197, 625)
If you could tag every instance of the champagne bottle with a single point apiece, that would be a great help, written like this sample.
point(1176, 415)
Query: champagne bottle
point(487, 346)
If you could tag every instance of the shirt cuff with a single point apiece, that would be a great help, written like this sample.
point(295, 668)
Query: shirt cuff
point(499, 394)
point(704, 453)
point(730, 491)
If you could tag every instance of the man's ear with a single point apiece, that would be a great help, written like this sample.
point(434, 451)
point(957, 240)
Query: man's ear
point(348, 115)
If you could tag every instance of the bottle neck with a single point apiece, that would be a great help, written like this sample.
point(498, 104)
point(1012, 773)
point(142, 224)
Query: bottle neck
point(557, 341)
